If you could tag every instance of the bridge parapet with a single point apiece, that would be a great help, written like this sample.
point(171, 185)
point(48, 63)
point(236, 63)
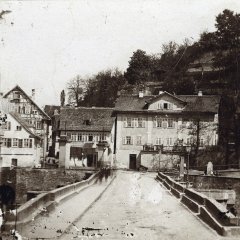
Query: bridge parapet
point(209, 210)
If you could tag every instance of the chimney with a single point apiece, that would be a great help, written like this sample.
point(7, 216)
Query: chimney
point(200, 93)
point(33, 94)
point(140, 95)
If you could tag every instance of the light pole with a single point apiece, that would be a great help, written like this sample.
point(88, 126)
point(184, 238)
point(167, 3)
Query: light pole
point(188, 149)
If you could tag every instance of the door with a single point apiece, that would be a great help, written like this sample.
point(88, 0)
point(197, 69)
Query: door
point(133, 161)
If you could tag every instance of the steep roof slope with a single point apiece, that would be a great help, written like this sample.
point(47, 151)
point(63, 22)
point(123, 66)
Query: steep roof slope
point(86, 119)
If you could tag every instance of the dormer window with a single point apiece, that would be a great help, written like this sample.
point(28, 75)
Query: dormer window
point(165, 106)
point(87, 122)
point(19, 128)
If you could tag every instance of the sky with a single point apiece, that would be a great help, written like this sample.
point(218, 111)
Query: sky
point(44, 44)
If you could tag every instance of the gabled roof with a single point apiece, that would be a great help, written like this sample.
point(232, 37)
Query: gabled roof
point(23, 123)
point(99, 119)
point(29, 98)
point(193, 103)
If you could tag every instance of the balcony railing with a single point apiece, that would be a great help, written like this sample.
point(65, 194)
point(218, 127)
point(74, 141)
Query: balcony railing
point(157, 148)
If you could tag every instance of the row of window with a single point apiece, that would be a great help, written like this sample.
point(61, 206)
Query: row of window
point(130, 140)
point(7, 125)
point(157, 122)
point(134, 122)
point(80, 137)
point(18, 143)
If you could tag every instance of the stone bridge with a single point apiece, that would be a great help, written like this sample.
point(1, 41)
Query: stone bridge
point(124, 205)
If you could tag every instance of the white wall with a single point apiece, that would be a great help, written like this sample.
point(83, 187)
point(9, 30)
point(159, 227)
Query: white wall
point(26, 157)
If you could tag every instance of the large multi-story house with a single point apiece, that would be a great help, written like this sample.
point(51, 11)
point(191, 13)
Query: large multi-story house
point(34, 117)
point(146, 125)
point(85, 137)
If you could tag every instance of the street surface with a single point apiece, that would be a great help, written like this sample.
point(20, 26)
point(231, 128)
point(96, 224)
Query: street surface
point(136, 206)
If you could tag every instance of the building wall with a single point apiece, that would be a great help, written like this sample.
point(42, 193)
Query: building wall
point(26, 157)
point(31, 114)
point(180, 128)
point(101, 154)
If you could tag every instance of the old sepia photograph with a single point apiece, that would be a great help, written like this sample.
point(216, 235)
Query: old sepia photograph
point(119, 119)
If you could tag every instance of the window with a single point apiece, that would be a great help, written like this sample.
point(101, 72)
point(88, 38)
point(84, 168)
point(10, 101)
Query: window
point(102, 137)
point(90, 137)
point(128, 140)
point(129, 122)
point(139, 140)
point(38, 125)
point(15, 142)
point(141, 122)
point(74, 137)
point(87, 122)
point(158, 122)
point(158, 141)
point(169, 142)
point(164, 123)
point(14, 162)
point(27, 143)
point(18, 128)
point(6, 126)
point(27, 110)
point(170, 123)
point(167, 106)
point(16, 95)
point(34, 112)
point(80, 137)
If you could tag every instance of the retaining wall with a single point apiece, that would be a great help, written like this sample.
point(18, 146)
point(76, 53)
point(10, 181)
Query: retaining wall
point(218, 182)
point(27, 179)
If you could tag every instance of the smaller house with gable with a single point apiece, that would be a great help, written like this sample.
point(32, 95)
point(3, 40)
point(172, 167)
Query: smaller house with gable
point(20, 145)
point(86, 137)
point(148, 125)
point(34, 117)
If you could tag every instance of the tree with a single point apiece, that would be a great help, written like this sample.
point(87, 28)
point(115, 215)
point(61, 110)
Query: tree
point(103, 88)
point(62, 98)
point(76, 90)
point(139, 69)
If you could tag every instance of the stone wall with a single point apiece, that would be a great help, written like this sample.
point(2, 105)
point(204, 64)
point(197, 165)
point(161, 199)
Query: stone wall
point(214, 182)
point(27, 179)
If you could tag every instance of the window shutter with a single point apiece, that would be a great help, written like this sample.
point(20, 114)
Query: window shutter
point(131, 140)
point(154, 122)
point(135, 122)
point(170, 105)
point(124, 140)
point(20, 143)
point(125, 122)
point(143, 122)
point(9, 142)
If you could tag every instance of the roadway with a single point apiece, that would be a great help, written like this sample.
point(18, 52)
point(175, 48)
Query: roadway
point(136, 206)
